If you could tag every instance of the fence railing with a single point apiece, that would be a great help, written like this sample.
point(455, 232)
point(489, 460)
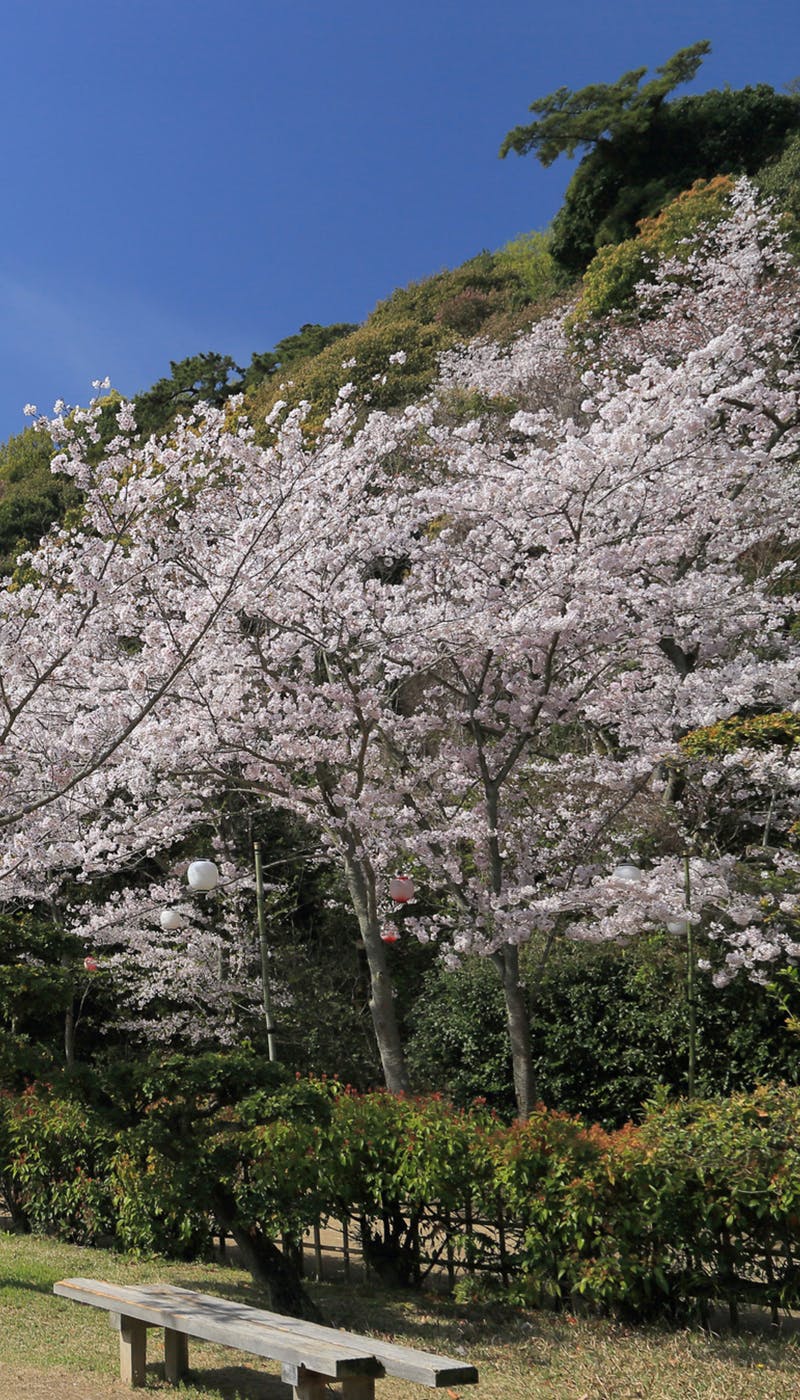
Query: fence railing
point(424, 1245)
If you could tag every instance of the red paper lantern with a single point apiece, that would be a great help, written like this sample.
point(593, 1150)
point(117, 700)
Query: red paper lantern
point(91, 964)
point(390, 934)
point(401, 889)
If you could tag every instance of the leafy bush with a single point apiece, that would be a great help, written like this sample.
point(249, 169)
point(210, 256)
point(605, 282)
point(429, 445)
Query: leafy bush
point(154, 1202)
point(55, 1159)
point(362, 359)
point(780, 180)
point(610, 279)
point(781, 729)
point(531, 261)
point(31, 497)
point(700, 1202)
point(608, 1026)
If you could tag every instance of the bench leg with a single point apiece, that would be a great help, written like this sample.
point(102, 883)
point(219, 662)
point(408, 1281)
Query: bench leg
point(132, 1350)
point(176, 1355)
point(358, 1388)
point(306, 1385)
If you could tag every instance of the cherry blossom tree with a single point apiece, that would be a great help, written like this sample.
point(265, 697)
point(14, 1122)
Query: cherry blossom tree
point(462, 648)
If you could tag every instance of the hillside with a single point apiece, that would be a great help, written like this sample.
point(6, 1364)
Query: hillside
point(632, 171)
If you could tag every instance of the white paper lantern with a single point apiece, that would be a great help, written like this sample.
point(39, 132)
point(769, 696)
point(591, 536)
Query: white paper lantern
point(627, 871)
point(202, 875)
point(680, 927)
point(170, 919)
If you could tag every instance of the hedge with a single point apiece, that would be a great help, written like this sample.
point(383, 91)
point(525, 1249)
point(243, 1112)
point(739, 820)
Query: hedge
point(697, 1203)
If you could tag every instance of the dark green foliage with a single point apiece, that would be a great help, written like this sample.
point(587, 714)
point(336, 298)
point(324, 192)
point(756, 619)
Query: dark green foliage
point(718, 133)
point(200, 378)
point(780, 180)
point(643, 151)
point(37, 975)
point(31, 496)
point(601, 111)
point(609, 1025)
point(321, 1009)
point(459, 1040)
point(309, 340)
point(615, 186)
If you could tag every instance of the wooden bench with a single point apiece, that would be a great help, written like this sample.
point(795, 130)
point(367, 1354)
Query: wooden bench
point(311, 1356)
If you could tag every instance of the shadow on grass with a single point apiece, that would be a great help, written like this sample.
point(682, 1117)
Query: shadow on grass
point(230, 1382)
point(18, 1285)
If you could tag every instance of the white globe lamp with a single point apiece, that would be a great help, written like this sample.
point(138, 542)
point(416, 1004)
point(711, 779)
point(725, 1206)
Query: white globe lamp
point(203, 876)
point(680, 927)
point(627, 871)
point(170, 920)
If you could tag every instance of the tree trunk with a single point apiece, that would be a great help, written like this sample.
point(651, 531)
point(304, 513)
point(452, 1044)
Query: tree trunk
point(506, 960)
point(270, 1269)
point(20, 1223)
point(381, 1002)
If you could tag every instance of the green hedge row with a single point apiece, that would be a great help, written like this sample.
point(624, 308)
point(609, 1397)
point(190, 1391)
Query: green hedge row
point(699, 1202)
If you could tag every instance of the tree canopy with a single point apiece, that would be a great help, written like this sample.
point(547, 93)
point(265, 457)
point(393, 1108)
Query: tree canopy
point(601, 111)
point(642, 151)
point(466, 647)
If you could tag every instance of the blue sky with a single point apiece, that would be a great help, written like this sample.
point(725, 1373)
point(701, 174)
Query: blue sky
point(183, 176)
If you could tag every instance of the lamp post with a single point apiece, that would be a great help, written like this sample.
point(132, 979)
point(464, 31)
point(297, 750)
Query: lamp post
point(629, 871)
point(690, 999)
point(684, 928)
point(203, 875)
point(262, 938)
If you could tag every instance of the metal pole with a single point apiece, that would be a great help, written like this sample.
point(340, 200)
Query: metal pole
point(262, 938)
point(690, 998)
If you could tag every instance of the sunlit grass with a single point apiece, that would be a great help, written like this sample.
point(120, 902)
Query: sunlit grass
point(50, 1346)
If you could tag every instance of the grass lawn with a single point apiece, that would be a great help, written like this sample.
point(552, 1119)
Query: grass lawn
point(50, 1347)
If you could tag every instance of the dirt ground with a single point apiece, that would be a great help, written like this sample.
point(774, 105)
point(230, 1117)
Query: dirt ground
point(18, 1384)
point(230, 1382)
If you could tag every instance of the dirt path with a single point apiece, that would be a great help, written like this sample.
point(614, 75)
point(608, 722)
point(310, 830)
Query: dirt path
point(16, 1384)
point(233, 1382)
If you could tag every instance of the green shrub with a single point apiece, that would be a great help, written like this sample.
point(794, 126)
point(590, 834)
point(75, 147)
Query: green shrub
point(55, 1157)
point(153, 1200)
point(611, 277)
point(778, 729)
point(529, 259)
point(780, 180)
point(361, 359)
point(698, 1203)
point(608, 1027)
point(31, 497)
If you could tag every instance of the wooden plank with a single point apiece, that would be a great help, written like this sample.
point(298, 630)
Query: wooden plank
point(132, 1350)
point(176, 1355)
point(423, 1366)
point(288, 1339)
point(232, 1324)
point(306, 1385)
